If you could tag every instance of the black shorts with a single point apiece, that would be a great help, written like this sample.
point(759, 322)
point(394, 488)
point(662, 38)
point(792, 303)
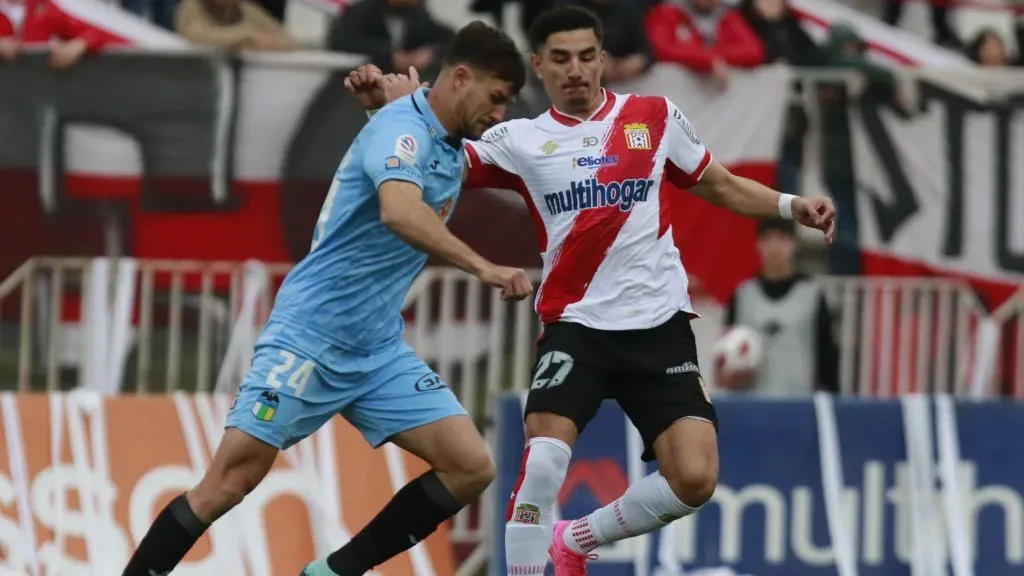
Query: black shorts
point(652, 374)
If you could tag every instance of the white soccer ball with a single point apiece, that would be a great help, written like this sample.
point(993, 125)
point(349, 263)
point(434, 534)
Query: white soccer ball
point(738, 350)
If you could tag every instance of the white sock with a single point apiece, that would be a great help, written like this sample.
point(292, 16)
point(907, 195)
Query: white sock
point(529, 519)
point(646, 506)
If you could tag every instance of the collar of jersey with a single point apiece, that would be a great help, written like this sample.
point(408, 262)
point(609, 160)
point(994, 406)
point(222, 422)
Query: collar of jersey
point(419, 101)
point(607, 103)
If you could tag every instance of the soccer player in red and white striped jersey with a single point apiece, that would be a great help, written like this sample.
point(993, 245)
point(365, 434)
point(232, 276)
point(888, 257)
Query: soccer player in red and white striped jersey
point(597, 171)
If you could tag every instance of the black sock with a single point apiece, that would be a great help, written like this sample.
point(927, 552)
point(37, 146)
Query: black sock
point(170, 537)
point(412, 515)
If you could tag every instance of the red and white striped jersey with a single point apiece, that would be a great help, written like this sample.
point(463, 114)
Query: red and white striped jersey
point(597, 189)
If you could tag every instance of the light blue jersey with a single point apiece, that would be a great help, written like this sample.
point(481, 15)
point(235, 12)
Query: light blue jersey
point(350, 289)
point(333, 343)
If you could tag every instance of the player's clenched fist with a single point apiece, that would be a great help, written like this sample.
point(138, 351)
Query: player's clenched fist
point(514, 283)
point(373, 89)
point(816, 212)
point(365, 85)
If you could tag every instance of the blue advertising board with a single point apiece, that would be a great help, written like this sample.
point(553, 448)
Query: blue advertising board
point(768, 515)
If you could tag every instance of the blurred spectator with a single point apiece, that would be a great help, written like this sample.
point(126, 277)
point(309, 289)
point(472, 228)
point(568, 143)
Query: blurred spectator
point(236, 24)
point(941, 28)
point(496, 10)
point(785, 41)
point(276, 8)
point(790, 313)
point(845, 49)
point(988, 49)
point(783, 37)
point(625, 40)
point(27, 23)
point(1019, 35)
point(395, 34)
point(160, 12)
point(704, 36)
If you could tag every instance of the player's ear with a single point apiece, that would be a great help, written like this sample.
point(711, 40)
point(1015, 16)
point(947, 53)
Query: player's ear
point(461, 76)
point(535, 60)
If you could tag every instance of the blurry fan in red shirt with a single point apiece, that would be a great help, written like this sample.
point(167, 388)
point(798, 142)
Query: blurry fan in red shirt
point(705, 36)
point(28, 23)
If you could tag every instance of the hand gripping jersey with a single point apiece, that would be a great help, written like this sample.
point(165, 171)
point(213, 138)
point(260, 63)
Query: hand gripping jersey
point(598, 191)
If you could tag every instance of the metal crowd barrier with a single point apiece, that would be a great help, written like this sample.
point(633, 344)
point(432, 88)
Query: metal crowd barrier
point(895, 335)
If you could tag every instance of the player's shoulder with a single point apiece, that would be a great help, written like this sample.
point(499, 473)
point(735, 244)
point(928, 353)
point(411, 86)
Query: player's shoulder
point(652, 103)
point(399, 115)
point(504, 130)
point(640, 98)
point(399, 130)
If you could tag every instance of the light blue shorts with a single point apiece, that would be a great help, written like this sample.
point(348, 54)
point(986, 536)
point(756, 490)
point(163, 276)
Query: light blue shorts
point(297, 383)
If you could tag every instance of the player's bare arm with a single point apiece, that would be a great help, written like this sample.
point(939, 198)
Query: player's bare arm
point(751, 198)
point(403, 211)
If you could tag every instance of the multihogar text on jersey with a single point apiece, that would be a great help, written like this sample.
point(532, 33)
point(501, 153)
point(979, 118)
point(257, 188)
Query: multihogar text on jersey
point(586, 194)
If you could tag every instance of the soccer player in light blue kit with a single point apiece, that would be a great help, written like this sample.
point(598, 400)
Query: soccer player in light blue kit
point(333, 343)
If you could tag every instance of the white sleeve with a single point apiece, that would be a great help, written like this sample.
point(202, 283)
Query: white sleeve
point(687, 157)
point(491, 160)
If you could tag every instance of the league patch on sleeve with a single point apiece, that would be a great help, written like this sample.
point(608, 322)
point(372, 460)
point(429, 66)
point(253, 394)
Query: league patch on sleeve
point(406, 148)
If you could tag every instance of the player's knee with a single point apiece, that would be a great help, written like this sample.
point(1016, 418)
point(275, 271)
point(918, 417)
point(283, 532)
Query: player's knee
point(222, 490)
point(545, 463)
point(549, 425)
point(482, 470)
point(471, 473)
point(234, 473)
point(693, 481)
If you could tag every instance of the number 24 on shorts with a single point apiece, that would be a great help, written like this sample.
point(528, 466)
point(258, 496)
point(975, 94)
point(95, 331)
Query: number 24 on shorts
point(298, 376)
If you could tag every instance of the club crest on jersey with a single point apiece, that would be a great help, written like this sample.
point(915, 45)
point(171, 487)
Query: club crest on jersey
point(638, 137)
point(587, 194)
point(405, 148)
point(549, 147)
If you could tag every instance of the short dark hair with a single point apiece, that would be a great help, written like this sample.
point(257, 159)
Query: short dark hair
point(563, 19)
point(484, 47)
point(782, 225)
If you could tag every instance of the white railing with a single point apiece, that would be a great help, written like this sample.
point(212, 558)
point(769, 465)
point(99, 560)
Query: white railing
point(179, 314)
point(190, 325)
point(895, 335)
point(900, 335)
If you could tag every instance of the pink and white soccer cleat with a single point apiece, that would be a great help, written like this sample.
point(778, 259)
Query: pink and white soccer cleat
point(567, 561)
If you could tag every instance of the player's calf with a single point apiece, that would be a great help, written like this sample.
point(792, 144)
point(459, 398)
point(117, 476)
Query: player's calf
point(529, 517)
point(688, 472)
point(461, 469)
point(530, 513)
point(240, 464)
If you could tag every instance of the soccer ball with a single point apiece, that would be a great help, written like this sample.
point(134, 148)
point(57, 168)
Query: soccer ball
point(738, 350)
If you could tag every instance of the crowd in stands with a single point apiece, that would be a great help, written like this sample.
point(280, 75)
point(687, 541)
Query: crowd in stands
point(707, 36)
